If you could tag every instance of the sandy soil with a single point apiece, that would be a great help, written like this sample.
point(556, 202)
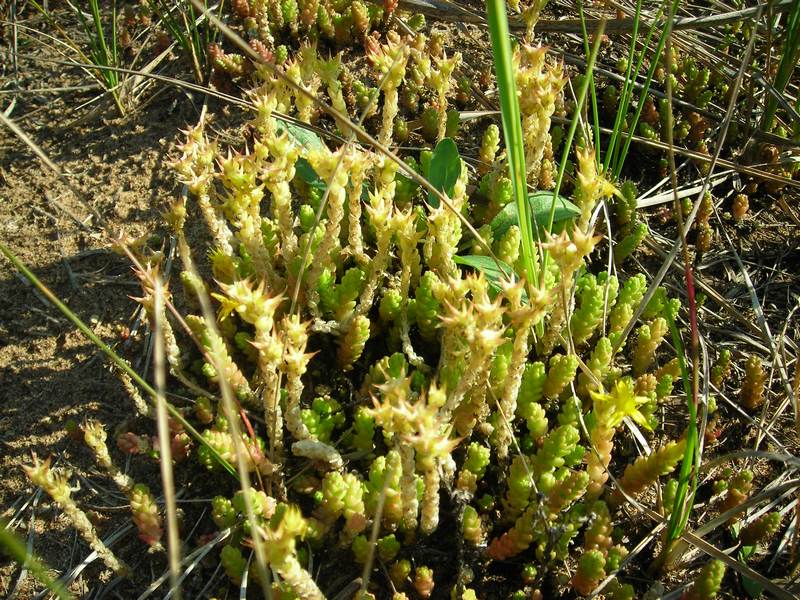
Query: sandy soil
point(52, 377)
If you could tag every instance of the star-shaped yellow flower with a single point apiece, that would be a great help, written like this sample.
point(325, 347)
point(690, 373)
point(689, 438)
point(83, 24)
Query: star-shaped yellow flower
point(610, 408)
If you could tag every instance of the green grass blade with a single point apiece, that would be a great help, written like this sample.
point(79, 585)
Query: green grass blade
point(620, 160)
point(627, 98)
point(108, 351)
point(206, 37)
point(571, 134)
point(100, 55)
point(95, 51)
point(791, 54)
point(171, 24)
point(592, 89)
point(104, 56)
point(198, 48)
point(512, 127)
point(680, 508)
point(573, 126)
point(627, 86)
point(186, 32)
point(114, 45)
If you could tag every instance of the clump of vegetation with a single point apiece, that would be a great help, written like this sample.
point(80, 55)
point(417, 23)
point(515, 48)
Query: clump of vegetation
point(440, 354)
point(402, 359)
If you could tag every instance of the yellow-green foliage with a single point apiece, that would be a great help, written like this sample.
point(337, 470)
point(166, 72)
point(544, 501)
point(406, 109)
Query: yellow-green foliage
point(630, 295)
point(490, 143)
point(596, 295)
point(598, 364)
point(752, 393)
point(591, 569)
point(708, 582)
point(630, 242)
point(649, 337)
point(539, 83)
point(471, 525)
point(625, 203)
point(761, 529)
point(353, 341)
point(721, 368)
point(233, 563)
point(507, 248)
point(737, 486)
point(423, 581)
point(647, 469)
point(389, 374)
point(560, 374)
point(145, 515)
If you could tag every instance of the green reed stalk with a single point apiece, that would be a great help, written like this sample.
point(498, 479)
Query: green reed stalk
point(512, 127)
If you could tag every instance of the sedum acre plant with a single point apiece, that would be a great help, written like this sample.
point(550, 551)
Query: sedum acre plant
point(455, 384)
point(56, 485)
point(373, 381)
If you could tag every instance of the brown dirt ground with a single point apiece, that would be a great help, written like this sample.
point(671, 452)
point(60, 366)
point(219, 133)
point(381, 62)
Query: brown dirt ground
point(50, 373)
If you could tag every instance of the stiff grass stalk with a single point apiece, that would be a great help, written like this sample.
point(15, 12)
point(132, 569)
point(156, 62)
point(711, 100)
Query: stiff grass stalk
point(512, 127)
point(684, 497)
point(102, 52)
point(592, 89)
point(791, 54)
point(185, 27)
point(165, 450)
point(688, 473)
point(618, 161)
point(627, 86)
point(573, 126)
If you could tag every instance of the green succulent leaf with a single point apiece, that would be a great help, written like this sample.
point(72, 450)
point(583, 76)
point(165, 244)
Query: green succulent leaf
point(303, 137)
point(539, 202)
point(496, 271)
point(752, 587)
point(309, 140)
point(444, 170)
point(307, 173)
